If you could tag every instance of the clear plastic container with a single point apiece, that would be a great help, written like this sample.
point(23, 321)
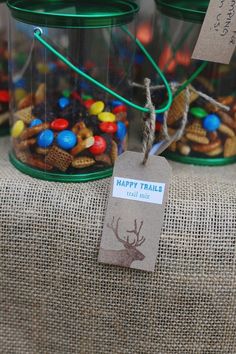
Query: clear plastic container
point(210, 134)
point(4, 94)
point(71, 97)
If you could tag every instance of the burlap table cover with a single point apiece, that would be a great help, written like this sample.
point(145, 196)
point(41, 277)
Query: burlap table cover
point(56, 299)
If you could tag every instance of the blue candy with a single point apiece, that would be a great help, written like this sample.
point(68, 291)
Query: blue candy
point(116, 103)
point(45, 138)
point(63, 102)
point(66, 139)
point(84, 85)
point(160, 118)
point(52, 67)
point(20, 83)
point(121, 131)
point(35, 122)
point(139, 59)
point(211, 122)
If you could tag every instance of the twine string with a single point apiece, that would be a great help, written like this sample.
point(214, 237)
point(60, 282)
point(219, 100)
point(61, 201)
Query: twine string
point(149, 123)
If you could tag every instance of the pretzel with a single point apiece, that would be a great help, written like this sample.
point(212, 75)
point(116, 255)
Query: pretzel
point(83, 162)
point(227, 119)
point(82, 145)
point(197, 138)
point(41, 151)
point(213, 136)
point(230, 147)
point(205, 148)
point(26, 101)
point(104, 158)
point(29, 132)
point(226, 130)
point(215, 152)
point(40, 94)
point(114, 151)
point(25, 144)
point(42, 165)
point(196, 128)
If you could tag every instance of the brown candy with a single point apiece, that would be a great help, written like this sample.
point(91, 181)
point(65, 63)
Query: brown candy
point(29, 132)
point(59, 158)
point(83, 162)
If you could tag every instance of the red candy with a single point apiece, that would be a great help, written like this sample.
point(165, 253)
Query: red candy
point(4, 96)
point(108, 127)
point(99, 145)
point(88, 103)
point(119, 109)
point(59, 124)
point(76, 96)
point(158, 126)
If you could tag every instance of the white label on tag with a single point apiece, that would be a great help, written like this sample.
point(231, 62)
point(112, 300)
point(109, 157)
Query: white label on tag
point(143, 191)
point(217, 39)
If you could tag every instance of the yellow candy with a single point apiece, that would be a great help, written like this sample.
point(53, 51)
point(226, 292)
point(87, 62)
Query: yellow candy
point(17, 128)
point(107, 117)
point(19, 94)
point(96, 108)
point(42, 68)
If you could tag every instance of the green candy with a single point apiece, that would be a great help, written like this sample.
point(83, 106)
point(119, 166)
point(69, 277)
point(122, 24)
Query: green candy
point(198, 112)
point(66, 93)
point(86, 97)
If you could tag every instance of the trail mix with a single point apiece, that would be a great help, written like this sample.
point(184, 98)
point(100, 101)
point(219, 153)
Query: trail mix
point(210, 131)
point(68, 132)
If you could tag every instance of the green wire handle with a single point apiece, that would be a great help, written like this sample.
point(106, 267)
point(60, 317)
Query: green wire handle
point(38, 35)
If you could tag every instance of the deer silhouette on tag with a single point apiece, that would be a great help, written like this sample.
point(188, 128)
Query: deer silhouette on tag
point(131, 241)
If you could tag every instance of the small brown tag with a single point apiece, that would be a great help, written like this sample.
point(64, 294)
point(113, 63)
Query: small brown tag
point(135, 212)
point(217, 39)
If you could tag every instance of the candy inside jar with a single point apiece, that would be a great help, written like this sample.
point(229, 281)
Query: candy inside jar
point(209, 137)
point(67, 125)
point(75, 133)
point(4, 94)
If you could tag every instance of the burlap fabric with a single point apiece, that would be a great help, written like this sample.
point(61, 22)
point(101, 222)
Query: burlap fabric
point(56, 299)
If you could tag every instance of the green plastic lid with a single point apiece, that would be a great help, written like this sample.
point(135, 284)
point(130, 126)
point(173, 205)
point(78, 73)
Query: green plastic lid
point(192, 11)
point(74, 13)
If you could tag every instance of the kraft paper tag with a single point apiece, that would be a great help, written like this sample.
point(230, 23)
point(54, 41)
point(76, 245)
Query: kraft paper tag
point(135, 212)
point(217, 39)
